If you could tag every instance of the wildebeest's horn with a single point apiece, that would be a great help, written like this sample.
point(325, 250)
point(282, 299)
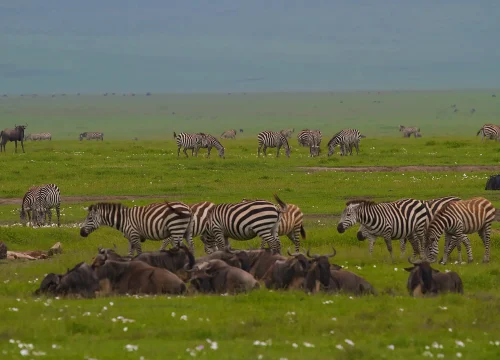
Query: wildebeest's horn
point(294, 254)
point(311, 256)
point(231, 251)
point(332, 255)
point(413, 262)
point(99, 249)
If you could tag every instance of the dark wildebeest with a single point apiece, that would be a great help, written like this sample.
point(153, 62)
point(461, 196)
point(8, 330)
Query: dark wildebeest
point(79, 281)
point(219, 277)
point(426, 281)
point(16, 134)
point(136, 277)
point(237, 259)
point(288, 273)
point(331, 278)
point(258, 262)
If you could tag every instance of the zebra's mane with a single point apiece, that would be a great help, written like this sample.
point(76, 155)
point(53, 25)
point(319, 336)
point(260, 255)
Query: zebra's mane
point(107, 206)
point(334, 137)
point(360, 202)
point(442, 210)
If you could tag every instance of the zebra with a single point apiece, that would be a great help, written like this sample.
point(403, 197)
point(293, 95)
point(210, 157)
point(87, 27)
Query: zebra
point(459, 218)
point(346, 139)
point(490, 132)
point(45, 136)
point(287, 132)
point(28, 205)
point(200, 213)
point(408, 131)
point(228, 134)
point(396, 220)
point(156, 221)
point(315, 142)
point(273, 139)
point(433, 206)
point(47, 197)
point(209, 141)
point(92, 136)
point(244, 221)
point(305, 136)
point(188, 141)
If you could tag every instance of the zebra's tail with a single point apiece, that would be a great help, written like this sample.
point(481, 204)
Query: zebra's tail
point(302, 232)
point(479, 132)
point(281, 204)
point(175, 135)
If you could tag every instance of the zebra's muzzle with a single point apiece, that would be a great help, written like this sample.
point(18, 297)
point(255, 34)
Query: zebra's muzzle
point(83, 233)
point(340, 228)
point(360, 236)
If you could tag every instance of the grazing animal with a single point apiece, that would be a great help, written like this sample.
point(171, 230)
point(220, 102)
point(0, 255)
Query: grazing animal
point(228, 134)
point(346, 139)
point(256, 262)
point(306, 137)
point(28, 205)
point(489, 132)
point(409, 130)
point(176, 260)
point(219, 277)
point(244, 221)
point(137, 277)
point(208, 141)
point(156, 221)
point(188, 141)
point(79, 281)
point(41, 136)
point(47, 197)
point(272, 139)
point(426, 281)
point(228, 256)
point(92, 136)
point(287, 132)
point(288, 273)
point(457, 219)
point(16, 134)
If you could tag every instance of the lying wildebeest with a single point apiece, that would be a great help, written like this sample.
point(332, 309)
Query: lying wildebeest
point(426, 281)
point(176, 260)
point(332, 278)
point(79, 281)
point(236, 258)
point(258, 262)
point(219, 277)
point(136, 277)
point(288, 273)
point(16, 134)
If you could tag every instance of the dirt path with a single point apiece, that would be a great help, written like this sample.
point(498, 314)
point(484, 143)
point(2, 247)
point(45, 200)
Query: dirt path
point(78, 199)
point(405, 168)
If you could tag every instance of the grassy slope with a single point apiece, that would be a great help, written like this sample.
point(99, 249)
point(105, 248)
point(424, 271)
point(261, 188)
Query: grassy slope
point(151, 168)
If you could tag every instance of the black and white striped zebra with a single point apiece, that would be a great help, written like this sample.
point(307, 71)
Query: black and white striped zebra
point(408, 131)
point(346, 139)
point(272, 139)
point(244, 221)
point(47, 197)
point(397, 220)
point(305, 137)
point(156, 221)
point(188, 141)
point(315, 143)
point(92, 136)
point(287, 132)
point(208, 141)
point(489, 132)
point(28, 205)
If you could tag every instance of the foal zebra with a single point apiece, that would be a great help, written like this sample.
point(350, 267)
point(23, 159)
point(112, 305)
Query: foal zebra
point(39, 200)
point(457, 219)
point(346, 139)
point(92, 136)
point(408, 131)
point(272, 139)
point(208, 141)
point(244, 221)
point(489, 131)
point(228, 134)
point(188, 141)
point(156, 221)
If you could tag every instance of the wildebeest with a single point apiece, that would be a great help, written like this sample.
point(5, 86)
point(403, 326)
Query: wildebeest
point(79, 281)
point(288, 273)
point(137, 277)
point(219, 277)
point(16, 134)
point(426, 281)
point(176, 260)
point(236, 258)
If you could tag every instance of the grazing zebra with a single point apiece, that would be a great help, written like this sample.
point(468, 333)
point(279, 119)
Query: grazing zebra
point(188, 141)
point(209, 141)
point(92, 135)
point(244, 221)
point(47, 197)
point(45, 136)
point(407, 131)
point(28, 205)
point(304, 137)
point(200, 212)
point(315, 142)
point(396, 220)
point(272, 139)
point(156, 221)
point(457, 219)
point(490, 132)
point(287, 132)
point(346, 139)
point(228, 134)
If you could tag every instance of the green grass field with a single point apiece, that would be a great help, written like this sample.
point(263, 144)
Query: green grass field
point(263, 324)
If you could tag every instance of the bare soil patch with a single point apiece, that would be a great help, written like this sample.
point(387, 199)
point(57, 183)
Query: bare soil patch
point(405, 168)
point(78, 199)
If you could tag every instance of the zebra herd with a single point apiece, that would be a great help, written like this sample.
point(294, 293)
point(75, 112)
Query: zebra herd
point(38, 202)
point(196, 141)
point(92, 136)
point(41, 136)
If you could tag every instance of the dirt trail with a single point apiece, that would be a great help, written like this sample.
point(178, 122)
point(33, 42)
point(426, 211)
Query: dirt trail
point(78, 199)
point(405, 168)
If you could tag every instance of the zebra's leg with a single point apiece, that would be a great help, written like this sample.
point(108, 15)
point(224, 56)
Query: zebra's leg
point(452, 243)
point(357, 147)
point(58, 213)
point(258, 149)
point(448, 239)
point(371, 243)
point(264, 150)
point(415, 244)
point(294, 235)
point(485, 233)
point(459, 250)
point(185, 152)
point(48, 212)
point(134, 242)
point(208, 151)
point(388, 243)
point(278, 150)
point(165, 243)
point(402, 246)
point(178, 151)
point(274, 242)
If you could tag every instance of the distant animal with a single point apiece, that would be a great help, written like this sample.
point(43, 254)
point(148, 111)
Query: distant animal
point(272, 139)
point(28, 205)
point(156, 221)
point(16, 134)
point(241, 130)
point(228, 134)
point(47, 197)
point(489, 132)
point(409, 130)
point(346, 139)
point(256, 262)
point(287, 132)
point(493, 183)
point(426, 281)
point(92, 136)
point(307, 137)
point(315, 143)
point(472, 111)
point(208, 141)
point(177, 260)
point(188, 141)
point(457, 219)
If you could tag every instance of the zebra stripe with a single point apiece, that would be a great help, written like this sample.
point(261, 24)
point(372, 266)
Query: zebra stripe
point(272, 139)
point(28, 204)
point(92, 135)
point(188, 141)
point(228, 134)
point(47, 197)
point(156, 221)
point(315, 142)
point(346, 139)
point(208, 141)
point(305, 137)
point(408, 131)
point(287, 132)
point(490, 132)
point(244, 221)
point(459, 218)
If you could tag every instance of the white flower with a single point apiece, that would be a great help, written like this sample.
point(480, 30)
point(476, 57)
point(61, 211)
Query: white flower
point(327, 302)
point(459, 355)
point(440, 356)
point(214, 345)
point(350, 342)
point(450, 329)
point(125, 329)
point(428, 354)
point(334, 318)
point(395, 269)
point(443, 308)
point(111, 303)
point(184, 317)
point(435, 345)
point(401, 309)
point(390, 347)
point(55, 346)
point(308, 345)
point(130, 347)
point(340, 347)
point(294, 345)
point(173, 314)
point(459, 343)
point(25, 352)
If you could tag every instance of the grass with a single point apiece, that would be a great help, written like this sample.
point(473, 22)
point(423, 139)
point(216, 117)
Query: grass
point(85, 328)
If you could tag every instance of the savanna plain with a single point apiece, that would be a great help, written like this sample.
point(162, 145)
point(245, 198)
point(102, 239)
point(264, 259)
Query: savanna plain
point(448, 160)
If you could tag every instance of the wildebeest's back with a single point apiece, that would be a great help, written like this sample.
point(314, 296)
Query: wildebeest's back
point(351, 283)
point(448, 282)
